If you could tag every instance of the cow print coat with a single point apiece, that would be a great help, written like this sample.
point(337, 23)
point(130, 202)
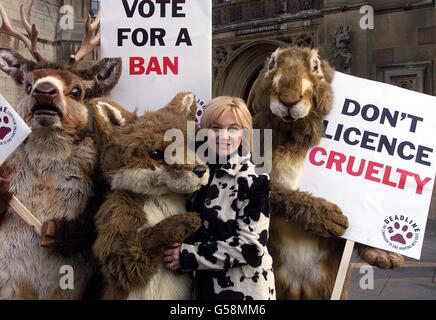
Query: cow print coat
point(228, 254)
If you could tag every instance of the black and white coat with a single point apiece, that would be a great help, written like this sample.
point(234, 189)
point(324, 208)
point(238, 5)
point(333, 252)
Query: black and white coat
point(230, 249)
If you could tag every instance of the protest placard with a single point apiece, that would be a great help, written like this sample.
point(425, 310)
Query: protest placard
point(166, 48)
point(13, 131)
point(377, 162)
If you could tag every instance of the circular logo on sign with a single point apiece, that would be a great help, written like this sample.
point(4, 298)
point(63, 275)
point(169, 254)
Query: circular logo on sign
point(400, 232)
point(200, 108)
point(8, 126)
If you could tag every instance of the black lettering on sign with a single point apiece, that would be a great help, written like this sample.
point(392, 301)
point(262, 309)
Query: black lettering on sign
point(148, 8)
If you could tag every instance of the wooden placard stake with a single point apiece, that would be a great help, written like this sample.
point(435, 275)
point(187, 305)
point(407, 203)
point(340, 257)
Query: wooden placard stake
point(343, 268)
point(25, 214)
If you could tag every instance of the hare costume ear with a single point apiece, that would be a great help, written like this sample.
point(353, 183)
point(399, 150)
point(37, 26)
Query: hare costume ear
point(184, 104)
point(321, 67)
point(328, 71)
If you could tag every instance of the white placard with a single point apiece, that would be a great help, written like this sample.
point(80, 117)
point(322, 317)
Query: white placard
point(13, 130)
point(377, 162)
point(166, 47)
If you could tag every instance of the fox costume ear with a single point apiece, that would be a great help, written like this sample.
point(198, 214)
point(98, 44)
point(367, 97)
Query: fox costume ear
point(184, 104)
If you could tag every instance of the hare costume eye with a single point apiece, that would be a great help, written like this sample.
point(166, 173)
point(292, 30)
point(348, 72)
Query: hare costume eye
point(272, 62)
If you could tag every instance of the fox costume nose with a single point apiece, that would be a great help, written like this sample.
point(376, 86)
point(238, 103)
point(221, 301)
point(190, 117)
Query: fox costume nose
point(45, 93)
point(199, 171)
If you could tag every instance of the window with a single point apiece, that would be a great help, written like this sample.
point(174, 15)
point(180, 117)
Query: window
point(94, 7)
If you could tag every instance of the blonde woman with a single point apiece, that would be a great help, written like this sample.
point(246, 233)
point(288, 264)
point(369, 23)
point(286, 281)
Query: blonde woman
point(228, 255)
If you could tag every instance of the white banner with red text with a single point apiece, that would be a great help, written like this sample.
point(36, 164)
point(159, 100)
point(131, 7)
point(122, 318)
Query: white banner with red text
point(377, 162)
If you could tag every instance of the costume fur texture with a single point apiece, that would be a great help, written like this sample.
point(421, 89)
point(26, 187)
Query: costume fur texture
point(146, 210)
point(55, 174)
point(291, 96)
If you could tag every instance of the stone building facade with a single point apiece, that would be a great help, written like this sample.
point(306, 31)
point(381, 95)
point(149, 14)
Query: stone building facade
point(54, 42)
point(400, 50)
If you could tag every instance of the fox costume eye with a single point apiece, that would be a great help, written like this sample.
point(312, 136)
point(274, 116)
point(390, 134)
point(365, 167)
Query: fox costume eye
point(156, 154)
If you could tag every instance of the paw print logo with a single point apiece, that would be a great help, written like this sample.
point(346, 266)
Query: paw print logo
point(200, 108)
point(5, 128)
point(400, 233)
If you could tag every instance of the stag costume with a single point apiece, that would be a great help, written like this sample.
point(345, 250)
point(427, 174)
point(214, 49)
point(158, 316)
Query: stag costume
point(56, 171)
point(228, 254)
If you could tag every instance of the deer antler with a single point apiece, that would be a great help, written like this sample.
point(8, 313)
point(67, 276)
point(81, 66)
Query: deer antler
point(90, 41)
point(29, 40)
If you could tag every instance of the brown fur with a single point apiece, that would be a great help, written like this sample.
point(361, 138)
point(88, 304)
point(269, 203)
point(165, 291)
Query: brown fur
point(5, 196)
point(27, 290)
point(130, 258)
point(55, 173)
point(304, 228)
point(146, 210)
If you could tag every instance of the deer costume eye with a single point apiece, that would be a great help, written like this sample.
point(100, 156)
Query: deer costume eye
point(76, 93)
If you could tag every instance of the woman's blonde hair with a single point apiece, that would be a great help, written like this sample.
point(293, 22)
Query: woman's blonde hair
point(218, 106)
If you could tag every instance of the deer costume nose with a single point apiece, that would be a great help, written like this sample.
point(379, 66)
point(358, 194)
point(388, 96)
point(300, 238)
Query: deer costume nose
point(45, 93)
point(199, 171)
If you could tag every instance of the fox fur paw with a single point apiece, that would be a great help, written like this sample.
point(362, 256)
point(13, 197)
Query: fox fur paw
point(327, 220)
point(185, 227)
point(174, 229)
point(381, 258)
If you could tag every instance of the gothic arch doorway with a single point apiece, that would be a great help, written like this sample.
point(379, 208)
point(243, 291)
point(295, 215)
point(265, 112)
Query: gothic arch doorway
point(251, 81)
point(238, 75)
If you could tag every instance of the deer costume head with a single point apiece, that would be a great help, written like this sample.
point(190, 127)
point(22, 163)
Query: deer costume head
point(56, 95)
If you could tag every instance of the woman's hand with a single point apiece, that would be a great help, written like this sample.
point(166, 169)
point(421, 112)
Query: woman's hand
point(171, 257)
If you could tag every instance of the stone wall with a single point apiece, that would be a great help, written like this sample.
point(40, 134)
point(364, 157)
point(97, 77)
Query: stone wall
point(54, 43)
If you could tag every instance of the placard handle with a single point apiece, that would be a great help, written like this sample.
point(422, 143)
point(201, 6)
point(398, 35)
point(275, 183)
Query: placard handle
point(342, 272)
point(25, 214)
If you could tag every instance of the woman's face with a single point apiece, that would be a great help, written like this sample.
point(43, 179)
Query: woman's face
point(225, 134)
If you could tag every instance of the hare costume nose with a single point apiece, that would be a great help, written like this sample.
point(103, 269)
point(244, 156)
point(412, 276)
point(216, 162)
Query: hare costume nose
point(289, 104)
